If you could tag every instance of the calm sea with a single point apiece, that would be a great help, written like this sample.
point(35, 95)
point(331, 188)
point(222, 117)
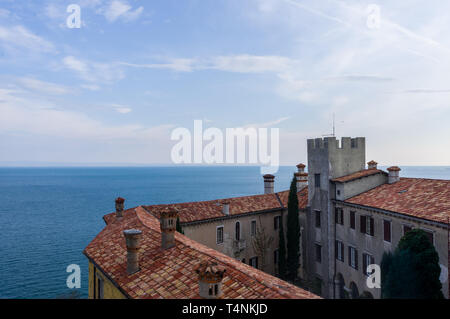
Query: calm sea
point(48, 215)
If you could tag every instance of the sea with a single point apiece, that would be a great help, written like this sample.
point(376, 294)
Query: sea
point(49, 215)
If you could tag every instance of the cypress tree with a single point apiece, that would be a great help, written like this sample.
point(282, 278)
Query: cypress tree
point(281, 253)
point(293, 233)
point(413, 271)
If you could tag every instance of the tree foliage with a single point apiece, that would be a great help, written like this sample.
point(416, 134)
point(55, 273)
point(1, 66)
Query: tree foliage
point(412, 271)
point(293, 233)
point(261, 242)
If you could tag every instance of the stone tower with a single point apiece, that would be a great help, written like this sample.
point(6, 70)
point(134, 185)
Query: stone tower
point(327, 159)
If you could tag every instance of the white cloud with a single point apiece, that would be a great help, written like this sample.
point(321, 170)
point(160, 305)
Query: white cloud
point(123, 109)
point(44, 87)
point(120, 9)
point(19, 37)
point(93, 71)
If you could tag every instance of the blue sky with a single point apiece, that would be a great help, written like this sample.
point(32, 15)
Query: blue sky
point(113, 90)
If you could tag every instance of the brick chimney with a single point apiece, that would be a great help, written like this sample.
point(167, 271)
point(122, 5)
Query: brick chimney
point(210, 276)
point(168, 224)
point(372, 164)
point(269, 184)
point(301, 176)
point(119, 206)
point(394, 174)
point(226, 207)
point(132, 238)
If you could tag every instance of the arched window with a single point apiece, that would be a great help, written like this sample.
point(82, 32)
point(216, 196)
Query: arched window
point(238, 231)
point(354, 290)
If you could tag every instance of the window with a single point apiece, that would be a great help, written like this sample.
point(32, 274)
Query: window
point(339, 216)
point(318, 253)
point(352, 220)
point(317, 180)
point(254, 262)
point(219, 235)
point(352, 257)
point(317, 286)
point(238, 231)
point(243, 260)
point(387, 230)
point(213, 290)
point(338, 193)
point(276, 222)
point(367, 225)
point(275, 256)
point(367, 260)
point(253, 228)
point(99, 288)
point(339, 250)
point(317, 212)
point(406, 229)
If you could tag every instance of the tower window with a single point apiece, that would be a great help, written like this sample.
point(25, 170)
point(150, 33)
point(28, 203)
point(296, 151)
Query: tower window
point(317, 180)
point(317, 212)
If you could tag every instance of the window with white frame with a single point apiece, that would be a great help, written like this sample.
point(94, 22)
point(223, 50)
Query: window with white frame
point(352, 257)
point(219, 235)
point(367, 260)
point(339, 250)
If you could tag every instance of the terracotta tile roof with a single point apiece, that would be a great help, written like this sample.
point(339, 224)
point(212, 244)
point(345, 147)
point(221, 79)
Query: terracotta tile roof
point(360, 174)
point(418, 197)
point(171, 273)
point(197, 211)
point(302, 198)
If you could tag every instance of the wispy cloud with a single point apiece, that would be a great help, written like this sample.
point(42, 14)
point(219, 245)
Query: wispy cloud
point(19, 37)
point(44, 87)
point(93, 71)
point(120, 10)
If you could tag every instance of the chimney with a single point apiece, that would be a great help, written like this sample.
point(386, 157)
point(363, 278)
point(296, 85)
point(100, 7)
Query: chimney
point(133, 238)
point(226, 207)
point(372, 164)
point(394, 175)
point(301, 176)
point(269, 184)
point(210, 276)
point(168, 224)
point(119, 206)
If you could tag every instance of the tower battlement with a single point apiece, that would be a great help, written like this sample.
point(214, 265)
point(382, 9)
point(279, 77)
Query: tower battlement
point(332, 143)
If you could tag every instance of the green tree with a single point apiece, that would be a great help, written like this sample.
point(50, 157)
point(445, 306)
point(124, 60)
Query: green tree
point(412, 271)
point(293, 233)
point(179, 228)
point(281, 253)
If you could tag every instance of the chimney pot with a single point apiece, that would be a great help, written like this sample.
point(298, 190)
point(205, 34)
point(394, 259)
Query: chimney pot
point(119, 206)
point(394, 174)
point(269, 184)
point(226, 207)
point(132, 239)
point(168, 224)
point(302, 180)
point(301, 167)
point(210, 276)
point(372, 165)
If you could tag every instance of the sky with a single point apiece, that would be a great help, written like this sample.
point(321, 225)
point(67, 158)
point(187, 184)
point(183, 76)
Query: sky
point(113, 90)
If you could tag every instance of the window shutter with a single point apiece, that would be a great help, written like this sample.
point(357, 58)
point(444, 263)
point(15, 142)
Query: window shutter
point(363, 224)
point(387, 230)
point(342, 216)
point(356, 259)
point(352, 220)
point(372, 226)
point(364, 263)
point(336, 249)
point(343, 251)
point(349, 256)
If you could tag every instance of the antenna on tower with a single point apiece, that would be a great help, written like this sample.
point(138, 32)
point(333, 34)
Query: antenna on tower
point(333, 134)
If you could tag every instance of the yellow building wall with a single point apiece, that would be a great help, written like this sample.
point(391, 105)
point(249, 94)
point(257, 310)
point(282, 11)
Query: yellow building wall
point(109, 290)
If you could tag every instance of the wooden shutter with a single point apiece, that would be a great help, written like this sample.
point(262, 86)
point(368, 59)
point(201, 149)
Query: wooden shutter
point(342, 216)
point(349, 256)
point(387, 230)
point(363, 224)
point(372, 226)
point(356, 259)
point(364, 256)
